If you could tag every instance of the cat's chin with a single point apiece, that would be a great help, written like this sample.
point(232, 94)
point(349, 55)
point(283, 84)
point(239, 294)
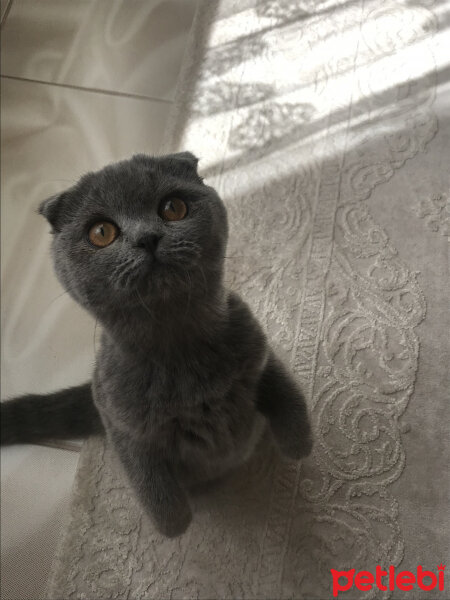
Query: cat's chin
point(156, 288)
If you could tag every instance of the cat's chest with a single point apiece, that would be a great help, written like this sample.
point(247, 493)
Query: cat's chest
point(149, 397)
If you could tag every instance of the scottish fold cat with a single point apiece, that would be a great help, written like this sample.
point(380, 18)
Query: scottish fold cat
point(185, 382)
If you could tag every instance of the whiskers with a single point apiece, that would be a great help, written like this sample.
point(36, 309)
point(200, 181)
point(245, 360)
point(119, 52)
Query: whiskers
point(182, 250)
point(144, 306)
point(205, 282)
point(126, 273)
point(58, 296)
point(63, 293)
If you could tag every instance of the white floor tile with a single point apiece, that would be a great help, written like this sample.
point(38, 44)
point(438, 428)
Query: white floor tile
point(132, 47)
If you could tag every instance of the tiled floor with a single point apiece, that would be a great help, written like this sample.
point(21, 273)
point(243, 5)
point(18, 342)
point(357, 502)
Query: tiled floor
point(129, 47)
point(83, 84)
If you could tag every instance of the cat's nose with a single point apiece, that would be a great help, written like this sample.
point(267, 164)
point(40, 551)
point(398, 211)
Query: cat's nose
point(149, 242)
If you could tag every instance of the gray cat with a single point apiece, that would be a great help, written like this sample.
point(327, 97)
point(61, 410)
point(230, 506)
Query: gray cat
point(185, 381)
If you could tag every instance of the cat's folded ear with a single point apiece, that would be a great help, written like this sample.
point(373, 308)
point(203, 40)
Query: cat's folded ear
point(186, 157)
point(51, 209)
point(182, 164)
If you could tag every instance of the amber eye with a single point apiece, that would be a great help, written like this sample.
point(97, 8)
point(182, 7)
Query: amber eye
point(103, 234)
point(173, 209)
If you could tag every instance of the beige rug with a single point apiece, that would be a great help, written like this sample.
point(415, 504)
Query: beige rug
point(324, 125)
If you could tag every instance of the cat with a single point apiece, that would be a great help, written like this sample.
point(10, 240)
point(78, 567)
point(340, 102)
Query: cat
point(185, 383)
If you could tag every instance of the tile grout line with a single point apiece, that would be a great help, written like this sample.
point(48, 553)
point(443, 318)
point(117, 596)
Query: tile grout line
point(88, 89)
point(6, 13)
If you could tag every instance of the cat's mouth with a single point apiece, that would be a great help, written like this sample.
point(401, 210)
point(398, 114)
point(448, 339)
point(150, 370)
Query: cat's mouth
point(134, 272)
point(159, 274)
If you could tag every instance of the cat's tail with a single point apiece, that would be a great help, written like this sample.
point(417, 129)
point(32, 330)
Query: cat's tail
point(65, 414)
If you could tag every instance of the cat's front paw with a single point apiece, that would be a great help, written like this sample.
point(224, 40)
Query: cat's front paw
point(174, 522)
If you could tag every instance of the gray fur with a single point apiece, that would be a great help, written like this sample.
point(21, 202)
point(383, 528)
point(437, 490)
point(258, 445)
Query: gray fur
point(184, 382)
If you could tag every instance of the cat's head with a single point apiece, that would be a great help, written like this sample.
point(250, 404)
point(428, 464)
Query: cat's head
point(145, 229)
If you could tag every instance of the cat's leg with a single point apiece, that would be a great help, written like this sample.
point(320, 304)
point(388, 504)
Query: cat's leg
point(280, 400)
point(157, 488)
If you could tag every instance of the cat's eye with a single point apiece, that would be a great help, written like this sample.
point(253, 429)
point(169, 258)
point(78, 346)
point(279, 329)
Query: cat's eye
point(103, 234)
point(173, 209)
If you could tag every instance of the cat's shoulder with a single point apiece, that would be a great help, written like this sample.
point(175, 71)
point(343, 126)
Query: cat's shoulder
point(246, 338)
point(241, 317)
point(237, 307)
